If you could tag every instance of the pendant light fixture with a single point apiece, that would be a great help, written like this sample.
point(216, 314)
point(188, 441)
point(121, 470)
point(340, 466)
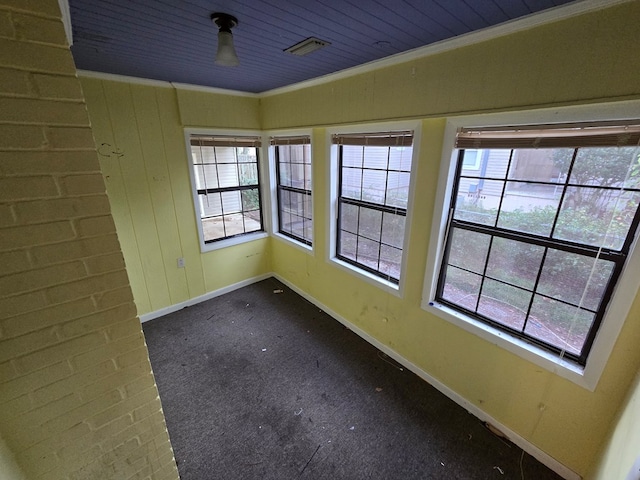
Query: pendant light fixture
point(226, 55)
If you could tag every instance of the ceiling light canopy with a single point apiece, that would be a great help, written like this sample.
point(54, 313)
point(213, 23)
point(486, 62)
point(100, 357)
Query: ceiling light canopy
point(226, 55)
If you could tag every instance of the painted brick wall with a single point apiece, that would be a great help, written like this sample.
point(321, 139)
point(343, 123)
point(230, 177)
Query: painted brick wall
point(77, 395)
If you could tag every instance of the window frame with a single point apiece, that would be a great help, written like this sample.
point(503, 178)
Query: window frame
point(627, 285)
point(334, 175)
point(207, 246)
point(276, 188)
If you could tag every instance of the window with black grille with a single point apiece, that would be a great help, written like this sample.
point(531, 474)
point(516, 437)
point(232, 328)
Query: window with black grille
point(373, 193)
point(541, 222)
point(227, 185)
point(293, 179)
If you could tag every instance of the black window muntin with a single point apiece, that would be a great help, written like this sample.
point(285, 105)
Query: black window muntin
point(618, 257)
point(235, 142)
point(281, 189)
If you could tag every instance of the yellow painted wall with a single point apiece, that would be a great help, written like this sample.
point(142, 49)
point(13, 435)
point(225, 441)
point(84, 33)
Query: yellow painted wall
point(581, 60)
point(139, 132)
point(623, 446)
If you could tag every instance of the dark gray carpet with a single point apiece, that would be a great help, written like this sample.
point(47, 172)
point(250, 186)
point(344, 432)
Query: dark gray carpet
point(258, 385)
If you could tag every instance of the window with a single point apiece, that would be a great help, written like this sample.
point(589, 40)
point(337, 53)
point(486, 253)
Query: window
point(538, 235)
point(373, 190)
point(225, 178)
point(293, 182)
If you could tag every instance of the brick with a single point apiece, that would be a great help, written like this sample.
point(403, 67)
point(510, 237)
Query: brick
point(14, 347)
point(7, 217)
point(60, 208)
point(134, 357)
point(116, 380)
point(124, 329)
point(94, 226)
point(76, 250)
point(17, 406)
point(68, 138)
point(37, 462)
point(41, 278)
point(12, 262)
point(18, 188)
point(58, 352)
point(105, 263)
point(87, 286)
point(48, 162)
point(35, 57)
point(51, 410)
point(39, 29)
point(83, 184)
point(139, 384)
point(113, 298)
point(24, 384)
point(108, 351)
point(6, 27)
point(58, 87)
point(20, 304)
point(124, 407)
point(14, 82)
point(46, 112)
point(74, 382)
point(37, 6)
point(7, 372)
point(97, 321)
point(37, 319)
point(21, 136)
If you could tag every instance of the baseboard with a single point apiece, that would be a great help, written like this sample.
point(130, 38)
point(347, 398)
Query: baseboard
point(207, 296)
point(520, 441)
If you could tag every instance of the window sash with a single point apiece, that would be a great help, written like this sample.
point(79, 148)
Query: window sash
point(616, 256)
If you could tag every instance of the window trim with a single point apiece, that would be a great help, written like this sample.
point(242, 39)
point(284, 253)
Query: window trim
point(628, 283)
point(273, 215)
point(333, 174)
point(262, 174)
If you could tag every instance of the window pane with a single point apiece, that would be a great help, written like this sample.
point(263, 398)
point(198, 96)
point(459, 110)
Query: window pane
point(491, 163)
point(285, 174)
point(349, 218)
point(348, 243)
point(374, 184)
point(370, 223)
point(297, 175)
point(514, 262)
point(400, 158)
point(199, 176)
point(250, 199)
point(220, 155)
point(228, 175)
point(390, 260)
point(504, 304)
point(368, 252)
point(233, 224)
point(461, 288)
point(596, 217)
point(247, 154)
point(559, 324)
point(307, 177)
point(565, 276)
point(376, 157)
point(468, 249)
point(478, 201)
point(352, 156)
point(393, 229)
point(252, 221)
point(528, 212)
point(541, 165)
point(231, 202)
point(606, 167)
point(352, 183)
point(397, 189)
point(248, 173)
point(210, 176)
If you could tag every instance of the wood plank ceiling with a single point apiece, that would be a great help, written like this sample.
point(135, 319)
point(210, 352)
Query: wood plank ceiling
point(176, 41)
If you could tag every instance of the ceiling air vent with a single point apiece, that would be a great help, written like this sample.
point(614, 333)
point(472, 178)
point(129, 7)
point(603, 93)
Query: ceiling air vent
point(307, 46)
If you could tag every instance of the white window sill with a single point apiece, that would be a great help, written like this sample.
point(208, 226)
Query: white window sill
point(230, 242)
point(294, 243)
point(517, 346)
point(374, 280)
